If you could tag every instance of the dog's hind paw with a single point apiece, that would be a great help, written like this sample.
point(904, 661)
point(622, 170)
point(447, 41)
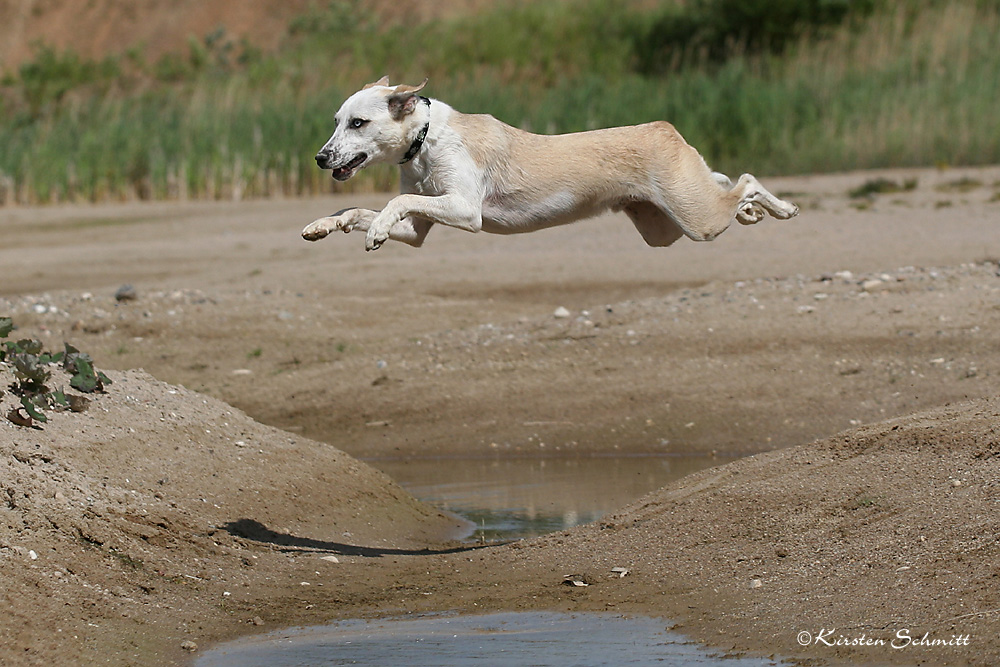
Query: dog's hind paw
point(786, 211)
point(749, 214)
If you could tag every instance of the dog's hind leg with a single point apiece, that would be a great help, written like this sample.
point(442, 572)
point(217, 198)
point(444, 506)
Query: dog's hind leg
point(410, 230)
point(754, 199)
point(746, 214)
point(722, 179)
point(656, 227)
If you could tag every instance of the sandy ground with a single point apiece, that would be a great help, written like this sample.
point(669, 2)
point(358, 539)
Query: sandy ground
point(858, 342)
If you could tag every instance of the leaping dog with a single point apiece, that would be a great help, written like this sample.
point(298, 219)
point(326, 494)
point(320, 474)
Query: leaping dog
point(475, 173)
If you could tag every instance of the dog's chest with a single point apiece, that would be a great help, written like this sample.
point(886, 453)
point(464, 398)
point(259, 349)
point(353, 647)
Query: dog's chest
point(424, 182)
point(521, 211)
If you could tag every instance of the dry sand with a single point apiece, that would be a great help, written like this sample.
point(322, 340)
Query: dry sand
point(857, 341)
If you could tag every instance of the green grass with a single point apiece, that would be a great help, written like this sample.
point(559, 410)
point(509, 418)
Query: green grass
point(911, 84)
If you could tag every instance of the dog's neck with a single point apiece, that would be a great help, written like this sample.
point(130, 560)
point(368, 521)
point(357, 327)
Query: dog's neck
point(421, 135)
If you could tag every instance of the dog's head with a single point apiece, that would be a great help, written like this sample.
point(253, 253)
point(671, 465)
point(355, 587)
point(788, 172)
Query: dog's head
point(375, 124)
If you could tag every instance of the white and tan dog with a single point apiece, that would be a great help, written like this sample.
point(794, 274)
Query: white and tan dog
point(476, 173)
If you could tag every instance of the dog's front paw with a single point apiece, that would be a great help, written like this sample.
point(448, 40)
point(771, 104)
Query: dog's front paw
point(375, 238)
point(319, 229)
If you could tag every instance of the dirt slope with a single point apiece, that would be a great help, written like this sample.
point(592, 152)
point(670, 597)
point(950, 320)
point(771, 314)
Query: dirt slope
point(97, 28)
point(136, 514)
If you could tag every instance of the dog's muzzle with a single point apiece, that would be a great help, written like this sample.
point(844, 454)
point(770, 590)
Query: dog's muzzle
point(343, 172)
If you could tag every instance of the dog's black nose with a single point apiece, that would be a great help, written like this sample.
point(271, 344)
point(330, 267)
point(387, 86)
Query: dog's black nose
point(321, 159)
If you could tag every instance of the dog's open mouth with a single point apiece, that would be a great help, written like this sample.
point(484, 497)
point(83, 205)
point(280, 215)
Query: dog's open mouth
point(345, 172)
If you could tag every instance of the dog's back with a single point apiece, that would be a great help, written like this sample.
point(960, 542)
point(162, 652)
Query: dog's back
point(536, 181)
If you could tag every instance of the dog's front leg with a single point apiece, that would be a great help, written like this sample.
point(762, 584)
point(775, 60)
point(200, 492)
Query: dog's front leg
point(345, 221)
point(411, 231)
point(452, 210)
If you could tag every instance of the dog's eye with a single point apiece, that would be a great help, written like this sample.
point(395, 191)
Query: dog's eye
point(357, 123)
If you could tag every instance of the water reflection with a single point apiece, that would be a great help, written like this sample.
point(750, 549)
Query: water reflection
point(512, 498)
point(507, 639)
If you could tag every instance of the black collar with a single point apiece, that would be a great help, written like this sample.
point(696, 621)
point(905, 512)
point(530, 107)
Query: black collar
point(419, 141)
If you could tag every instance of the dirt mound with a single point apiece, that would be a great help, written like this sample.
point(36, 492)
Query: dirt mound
point(141, 509)
point(95, 29)
point(878, 531)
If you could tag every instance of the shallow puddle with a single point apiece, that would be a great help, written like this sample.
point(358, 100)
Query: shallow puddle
point(514, 498)
point(516, 639)
point(505, 499)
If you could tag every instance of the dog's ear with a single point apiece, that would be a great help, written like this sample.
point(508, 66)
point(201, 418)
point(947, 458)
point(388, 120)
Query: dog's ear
point(403, 100)
point(384, 81)
point(403, 89)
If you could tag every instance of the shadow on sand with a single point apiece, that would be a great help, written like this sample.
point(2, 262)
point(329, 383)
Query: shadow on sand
point(250, 529)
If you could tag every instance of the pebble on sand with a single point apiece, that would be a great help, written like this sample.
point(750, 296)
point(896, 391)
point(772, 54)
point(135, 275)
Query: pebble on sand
point(126, 293)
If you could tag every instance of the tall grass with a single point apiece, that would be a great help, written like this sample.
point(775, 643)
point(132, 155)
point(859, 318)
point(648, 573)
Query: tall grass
point(911, 84)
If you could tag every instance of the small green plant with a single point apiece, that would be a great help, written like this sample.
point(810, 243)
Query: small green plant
point(962, 185)
point(881, 186)
point(32, 367)
point(865, 501)
point(127, 561)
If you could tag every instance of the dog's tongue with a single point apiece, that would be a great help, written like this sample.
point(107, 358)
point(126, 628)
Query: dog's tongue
point(345, 172)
